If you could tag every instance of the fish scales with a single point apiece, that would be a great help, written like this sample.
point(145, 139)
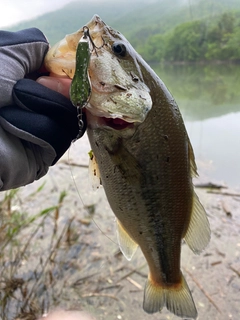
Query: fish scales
point(145, 160)
point(152, 208)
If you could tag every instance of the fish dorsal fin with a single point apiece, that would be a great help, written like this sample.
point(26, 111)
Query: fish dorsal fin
point(198, 233)
point(94, 172)
point(191, 157)
point(127, 245)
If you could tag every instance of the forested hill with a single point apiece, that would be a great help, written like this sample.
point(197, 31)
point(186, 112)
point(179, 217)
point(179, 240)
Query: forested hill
point(163, 30)
point(202, 40)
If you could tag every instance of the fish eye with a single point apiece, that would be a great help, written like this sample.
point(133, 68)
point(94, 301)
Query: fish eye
point(119, 49)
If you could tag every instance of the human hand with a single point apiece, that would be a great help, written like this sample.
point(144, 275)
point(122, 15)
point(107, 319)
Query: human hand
point(68, 315)
point(56, 83)
point(37, 124)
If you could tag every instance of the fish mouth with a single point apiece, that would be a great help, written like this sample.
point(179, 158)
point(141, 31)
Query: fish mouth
point(117, 123)
point(100, 121)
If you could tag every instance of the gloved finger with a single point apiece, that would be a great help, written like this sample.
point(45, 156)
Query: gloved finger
point(42, 100)
point(61, 85)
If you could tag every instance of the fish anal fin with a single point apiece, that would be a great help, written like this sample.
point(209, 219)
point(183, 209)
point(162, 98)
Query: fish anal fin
point(198, 233)
point(94, 173)
point(178, 299)
point(127, 245)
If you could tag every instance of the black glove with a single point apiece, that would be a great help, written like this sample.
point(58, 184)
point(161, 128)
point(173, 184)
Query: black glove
point(43, 120)
point(44, 114)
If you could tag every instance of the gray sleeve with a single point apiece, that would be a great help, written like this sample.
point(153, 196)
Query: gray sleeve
point(18, 165)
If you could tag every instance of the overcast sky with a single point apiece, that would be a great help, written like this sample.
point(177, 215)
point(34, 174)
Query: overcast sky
point(14, 11)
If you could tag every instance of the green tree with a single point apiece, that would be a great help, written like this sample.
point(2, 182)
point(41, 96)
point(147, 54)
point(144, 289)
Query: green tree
point(154, 48)
point(222, 38)
point(187, 42)
point(215, 39)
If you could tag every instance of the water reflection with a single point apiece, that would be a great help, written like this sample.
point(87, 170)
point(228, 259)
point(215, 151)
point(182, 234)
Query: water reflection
point(209, 99)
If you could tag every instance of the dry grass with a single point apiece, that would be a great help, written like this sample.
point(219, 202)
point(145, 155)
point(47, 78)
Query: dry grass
point(49, 259)
point(30, 245)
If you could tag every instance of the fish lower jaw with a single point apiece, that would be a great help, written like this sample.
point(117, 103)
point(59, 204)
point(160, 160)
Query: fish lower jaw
point(104, 120)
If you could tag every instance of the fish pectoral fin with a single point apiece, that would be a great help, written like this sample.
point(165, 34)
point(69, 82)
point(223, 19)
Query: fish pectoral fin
point(177, 299)
point(128, 165)
point(127, 245)
point(198, 233)
point(94, 173)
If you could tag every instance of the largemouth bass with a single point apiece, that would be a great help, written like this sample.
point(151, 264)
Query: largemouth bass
point(145, 160)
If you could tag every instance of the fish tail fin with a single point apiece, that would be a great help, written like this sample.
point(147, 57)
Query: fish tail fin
point(154, 297)
point(178, 300)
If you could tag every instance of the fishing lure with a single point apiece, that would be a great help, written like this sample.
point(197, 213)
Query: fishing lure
point(80, 89)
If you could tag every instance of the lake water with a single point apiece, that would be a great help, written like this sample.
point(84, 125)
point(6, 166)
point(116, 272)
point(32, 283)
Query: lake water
point(209, 100)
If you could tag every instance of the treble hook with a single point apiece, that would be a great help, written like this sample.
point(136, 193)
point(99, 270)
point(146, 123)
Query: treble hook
point(86, 34)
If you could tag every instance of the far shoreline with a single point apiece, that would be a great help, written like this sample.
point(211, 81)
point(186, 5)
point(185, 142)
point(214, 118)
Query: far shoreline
point(201, 62)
